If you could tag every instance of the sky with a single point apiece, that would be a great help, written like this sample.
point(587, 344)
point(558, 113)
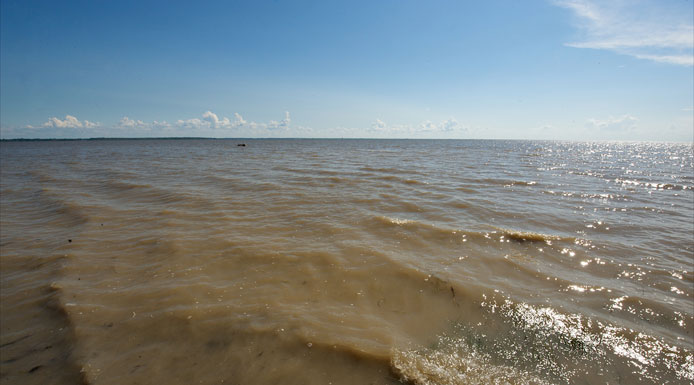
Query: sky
point(535, 69)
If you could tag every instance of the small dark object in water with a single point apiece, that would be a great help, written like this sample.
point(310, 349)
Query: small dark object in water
point(35, 368)
point(241, 144)
point(69, 240)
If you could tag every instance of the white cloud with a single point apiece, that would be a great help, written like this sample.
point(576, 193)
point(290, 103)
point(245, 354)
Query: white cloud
point(239, 119)
point(624, 122)
point(685, 60)
point(208, 124)
point(215, 122)
point(69, 122)
point(210, 120)
point(126, 122)
point(282, 124)
point(378, 124)
point(451, 125)
point(162, 124)
point(194, 123)
point(642, 29)
point(427, 126)
point(212, 124)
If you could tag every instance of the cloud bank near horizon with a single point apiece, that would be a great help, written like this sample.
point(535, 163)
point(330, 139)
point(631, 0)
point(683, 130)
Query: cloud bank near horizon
point(69, 122)
point(622, 126)
point(210, 124)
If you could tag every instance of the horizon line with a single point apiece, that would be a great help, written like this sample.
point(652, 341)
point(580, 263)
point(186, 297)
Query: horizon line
point(321, 138)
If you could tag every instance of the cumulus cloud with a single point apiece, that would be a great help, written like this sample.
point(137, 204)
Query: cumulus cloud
point(624, 122)
point(194, 123)
point(239, 119)
point(427, 126)
point(208, 124)
point(380, 127)
point(126, 122)
point(210, 120)
point(162, 124)
point(451, 125)
point(214, 121)
point(69, 122)
point(378, 124)
point(645, 30)
point(282, 124)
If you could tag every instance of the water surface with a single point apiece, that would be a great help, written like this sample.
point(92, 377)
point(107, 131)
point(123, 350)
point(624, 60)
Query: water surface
point(346, 261)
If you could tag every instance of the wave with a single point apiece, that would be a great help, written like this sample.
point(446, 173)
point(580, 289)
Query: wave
point(627, 183)
point(38, 335)
point(492, 340)
point(528, 236)
point(504, 182)
point(524, 344)
point(144, 193)
point(439, 232)
point(206, 318)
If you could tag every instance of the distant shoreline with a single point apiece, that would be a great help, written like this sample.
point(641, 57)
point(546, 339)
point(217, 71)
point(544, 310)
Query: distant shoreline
point(230, 138)
point(81, 139)
point(294, 138)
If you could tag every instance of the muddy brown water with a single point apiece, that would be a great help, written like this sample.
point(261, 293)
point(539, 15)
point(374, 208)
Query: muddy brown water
point(346, 262)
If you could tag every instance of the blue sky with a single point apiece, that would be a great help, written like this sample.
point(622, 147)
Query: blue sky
point(544, 69)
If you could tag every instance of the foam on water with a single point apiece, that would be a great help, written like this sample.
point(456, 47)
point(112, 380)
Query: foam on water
point(524, 344)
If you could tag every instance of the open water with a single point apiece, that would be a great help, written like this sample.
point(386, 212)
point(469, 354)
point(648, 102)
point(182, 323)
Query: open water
point(346, 262)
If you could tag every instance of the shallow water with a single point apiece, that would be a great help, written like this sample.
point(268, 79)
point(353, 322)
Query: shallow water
point(346, 261)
